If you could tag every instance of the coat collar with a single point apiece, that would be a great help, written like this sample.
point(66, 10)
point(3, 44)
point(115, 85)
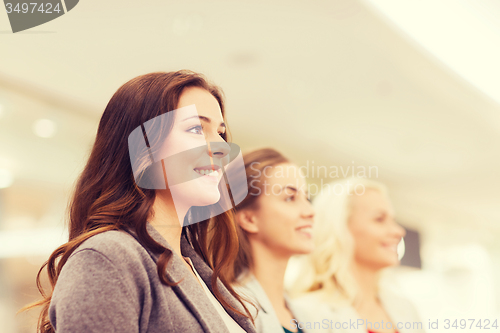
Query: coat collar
point(189, 291)
point(205, 273)
point(258, 295)
point(253, 289)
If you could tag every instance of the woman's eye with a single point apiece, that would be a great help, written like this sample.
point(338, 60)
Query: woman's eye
point(290, 198)
point(196, 130)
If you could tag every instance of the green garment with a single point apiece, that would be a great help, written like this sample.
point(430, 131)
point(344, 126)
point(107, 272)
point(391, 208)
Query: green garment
point(288, 331)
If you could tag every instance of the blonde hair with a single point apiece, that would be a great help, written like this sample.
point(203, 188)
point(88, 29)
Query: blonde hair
point(327, 270)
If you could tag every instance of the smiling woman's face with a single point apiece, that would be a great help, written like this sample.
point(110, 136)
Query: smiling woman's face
point(375, 231)
point(189, 163)
point(284, 216)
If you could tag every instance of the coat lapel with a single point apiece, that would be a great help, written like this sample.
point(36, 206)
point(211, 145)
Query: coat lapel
point(295, 311)
point(268, 319)
point(205, 273)
point(188, 289)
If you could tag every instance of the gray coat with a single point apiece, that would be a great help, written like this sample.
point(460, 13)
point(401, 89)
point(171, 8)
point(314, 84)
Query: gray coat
point(110, 284)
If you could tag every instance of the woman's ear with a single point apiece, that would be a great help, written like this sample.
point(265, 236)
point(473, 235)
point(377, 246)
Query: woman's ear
point(247, 220)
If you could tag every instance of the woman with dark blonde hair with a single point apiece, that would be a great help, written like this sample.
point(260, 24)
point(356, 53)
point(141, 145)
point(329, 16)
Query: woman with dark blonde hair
point(136, 259)
point(274, 223)
point(356, 237)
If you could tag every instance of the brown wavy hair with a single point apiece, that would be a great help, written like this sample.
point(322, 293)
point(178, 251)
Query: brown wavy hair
point(106, 196)
point(255, 164)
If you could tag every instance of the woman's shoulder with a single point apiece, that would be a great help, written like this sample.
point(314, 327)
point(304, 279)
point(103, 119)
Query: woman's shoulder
point(312, 299)
point(248, 287)
point(115, 253)
point(311, 313)
point(259, 304)
point(100, 285)
point(246, 281)
point(115, 245)
point(399, 307)
point(316, 305)
point(111, 257)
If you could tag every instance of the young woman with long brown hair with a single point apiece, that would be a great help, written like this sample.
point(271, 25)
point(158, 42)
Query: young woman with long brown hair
point(136, 261)
point(274, 223)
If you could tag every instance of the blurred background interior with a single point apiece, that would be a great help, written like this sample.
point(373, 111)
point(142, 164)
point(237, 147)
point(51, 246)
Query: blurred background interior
point(411, 88)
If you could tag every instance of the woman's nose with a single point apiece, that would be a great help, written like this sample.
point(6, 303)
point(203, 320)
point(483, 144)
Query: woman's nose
point(308, 210)
point(218, 149)
point(398, 230)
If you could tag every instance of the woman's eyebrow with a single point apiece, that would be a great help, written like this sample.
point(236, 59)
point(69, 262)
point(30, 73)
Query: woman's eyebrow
point(288, 187)
point(204, 119)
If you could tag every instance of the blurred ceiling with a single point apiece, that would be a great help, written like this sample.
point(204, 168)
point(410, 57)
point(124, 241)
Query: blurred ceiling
point(334, 82)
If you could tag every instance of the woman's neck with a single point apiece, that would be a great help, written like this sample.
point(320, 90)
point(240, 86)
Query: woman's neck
point(166, 221)
point(269, 269)
point(367, 280)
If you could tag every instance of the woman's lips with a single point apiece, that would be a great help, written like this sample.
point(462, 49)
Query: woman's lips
point(213, 175)
point(391, 247)
point(208, 170)
point(306, 230)
point(205, 172)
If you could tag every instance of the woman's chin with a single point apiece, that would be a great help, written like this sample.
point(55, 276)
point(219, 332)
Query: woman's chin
point(196, 193)
point(307, 249)
point(208, 199)
point(388, 263)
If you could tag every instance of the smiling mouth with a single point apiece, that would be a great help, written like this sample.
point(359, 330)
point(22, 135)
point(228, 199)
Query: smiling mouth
point(307, 230)
point(391, 247)
point(209, 170)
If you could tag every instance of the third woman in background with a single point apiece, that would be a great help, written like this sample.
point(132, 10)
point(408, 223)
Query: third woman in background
point(356, 236)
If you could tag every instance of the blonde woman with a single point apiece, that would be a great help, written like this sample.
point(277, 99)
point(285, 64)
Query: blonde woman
point(356, 237)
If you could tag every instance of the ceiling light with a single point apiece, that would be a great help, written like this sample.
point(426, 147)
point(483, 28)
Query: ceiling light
point(470, 28)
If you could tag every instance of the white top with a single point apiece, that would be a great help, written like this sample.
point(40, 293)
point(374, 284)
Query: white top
point(266, 320)
point(232, 325)
point(344, 319)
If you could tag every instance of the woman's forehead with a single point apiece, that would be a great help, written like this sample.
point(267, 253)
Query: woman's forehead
point(205, 104)
point(286, 174)
point(371, 200)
